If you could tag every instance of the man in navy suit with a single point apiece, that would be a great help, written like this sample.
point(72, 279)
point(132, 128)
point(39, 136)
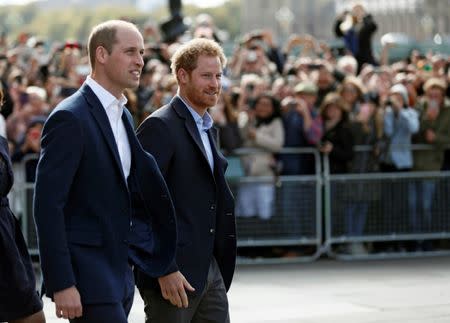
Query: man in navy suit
point(181, 138)
point(101, 204)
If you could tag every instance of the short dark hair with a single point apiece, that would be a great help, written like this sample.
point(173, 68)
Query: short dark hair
point(104, 35)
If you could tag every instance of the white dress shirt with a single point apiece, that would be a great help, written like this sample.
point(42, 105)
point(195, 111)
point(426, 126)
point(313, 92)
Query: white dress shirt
point(114, 111)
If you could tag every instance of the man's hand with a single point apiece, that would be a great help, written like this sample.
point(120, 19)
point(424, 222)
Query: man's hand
point(173, 288)
point(68, 303)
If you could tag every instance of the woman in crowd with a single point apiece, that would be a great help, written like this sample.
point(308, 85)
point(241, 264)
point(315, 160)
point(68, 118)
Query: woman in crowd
point(337, 139)
point(263, 129)
point(336, 145)
point(19, 301)
point(225, 118)
point(366, 128)
point(352, 92)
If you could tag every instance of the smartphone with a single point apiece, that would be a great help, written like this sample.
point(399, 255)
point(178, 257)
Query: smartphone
point(433, 105)
point(249, 88)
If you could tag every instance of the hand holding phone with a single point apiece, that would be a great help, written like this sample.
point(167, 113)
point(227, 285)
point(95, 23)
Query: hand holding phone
point(432, 110)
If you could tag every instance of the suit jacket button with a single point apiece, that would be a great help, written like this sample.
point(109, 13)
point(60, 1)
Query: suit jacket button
point(213, 207)
point(212, 231)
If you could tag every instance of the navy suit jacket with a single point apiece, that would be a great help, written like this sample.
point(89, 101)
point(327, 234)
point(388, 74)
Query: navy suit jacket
point(82, 205)
point(203, 201)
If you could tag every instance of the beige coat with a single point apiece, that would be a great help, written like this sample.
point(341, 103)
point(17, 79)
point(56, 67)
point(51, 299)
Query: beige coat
point(269, 137)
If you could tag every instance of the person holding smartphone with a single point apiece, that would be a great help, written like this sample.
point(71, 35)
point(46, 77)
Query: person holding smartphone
point(30, 145)
point(434, 130)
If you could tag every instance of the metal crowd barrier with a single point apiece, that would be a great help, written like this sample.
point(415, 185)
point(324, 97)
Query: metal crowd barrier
point(295, 214)
point(21, 202)
point(400, 208)
point(322, 211)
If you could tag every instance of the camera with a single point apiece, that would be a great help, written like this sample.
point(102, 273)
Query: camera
point(249, 88)
point(252, 56)
point(314, 66)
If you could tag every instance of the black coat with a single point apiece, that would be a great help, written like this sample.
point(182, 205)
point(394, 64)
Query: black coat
point(364, 31)
point(342, 139)
point(203, 202)
point(18, 297)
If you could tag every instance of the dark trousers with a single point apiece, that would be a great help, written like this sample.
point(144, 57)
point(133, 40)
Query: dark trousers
point(113, 312)
point(210, 306)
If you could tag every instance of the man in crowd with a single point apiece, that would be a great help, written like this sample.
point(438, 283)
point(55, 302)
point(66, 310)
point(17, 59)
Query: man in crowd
point(181, 137)
point(92, 222)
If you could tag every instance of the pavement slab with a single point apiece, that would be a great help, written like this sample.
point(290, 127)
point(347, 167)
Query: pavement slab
point(328, 291)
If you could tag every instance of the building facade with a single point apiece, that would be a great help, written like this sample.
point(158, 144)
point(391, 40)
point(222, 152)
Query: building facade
point(420, 19)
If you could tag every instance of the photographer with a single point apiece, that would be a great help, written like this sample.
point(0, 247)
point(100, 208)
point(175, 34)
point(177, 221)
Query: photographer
point(434, 130)
point(257, 54)
point(302, 128)
point(30, 145)
point(400, 123)
point(357, 27)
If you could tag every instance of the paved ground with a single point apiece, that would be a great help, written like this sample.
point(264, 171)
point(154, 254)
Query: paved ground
point(389, 291)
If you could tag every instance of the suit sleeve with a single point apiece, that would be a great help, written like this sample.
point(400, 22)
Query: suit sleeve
point(155, 138)
point(60, 155)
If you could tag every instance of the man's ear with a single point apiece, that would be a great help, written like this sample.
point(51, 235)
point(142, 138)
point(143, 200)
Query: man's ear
point(183, 76)
point(101, 54)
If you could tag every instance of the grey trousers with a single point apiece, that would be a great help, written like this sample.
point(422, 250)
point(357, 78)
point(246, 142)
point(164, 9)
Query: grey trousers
point(211, 306)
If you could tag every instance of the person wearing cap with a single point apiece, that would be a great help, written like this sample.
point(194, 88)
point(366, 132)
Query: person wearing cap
point(434, 125)
point(434, 130)
point(301, 128)
point(400, 123)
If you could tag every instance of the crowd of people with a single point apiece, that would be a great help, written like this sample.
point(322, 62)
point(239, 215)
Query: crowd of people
point(298, 94)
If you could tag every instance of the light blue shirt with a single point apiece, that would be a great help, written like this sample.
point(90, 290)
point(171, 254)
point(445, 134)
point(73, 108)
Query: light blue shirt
point(400, 130)
point(203, 125)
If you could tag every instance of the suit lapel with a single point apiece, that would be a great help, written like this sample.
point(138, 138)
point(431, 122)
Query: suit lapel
point(190, 125)
point(193, 131)
point(136, 161)
point(100, 116)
